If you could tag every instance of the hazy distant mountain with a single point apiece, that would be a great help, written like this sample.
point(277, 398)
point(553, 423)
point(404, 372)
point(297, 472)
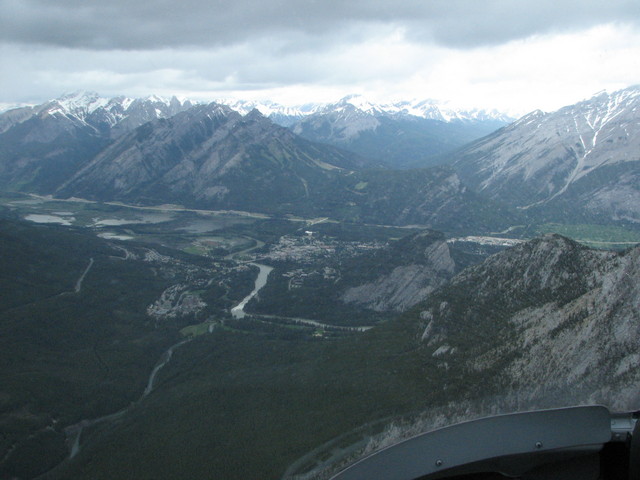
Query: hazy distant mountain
point(401, 135)
point(580, 161)
point(425, 109)
point(282, 115)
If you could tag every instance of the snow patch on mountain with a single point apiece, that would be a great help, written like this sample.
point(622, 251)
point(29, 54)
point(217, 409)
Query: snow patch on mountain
point(79, 104)
point(588, 150)
point(427, 109)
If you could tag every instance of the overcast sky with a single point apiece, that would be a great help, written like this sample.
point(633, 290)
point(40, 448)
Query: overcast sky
point(513, 55)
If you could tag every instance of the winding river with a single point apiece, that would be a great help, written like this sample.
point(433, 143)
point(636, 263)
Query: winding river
point(261, 281)
point(74, 432)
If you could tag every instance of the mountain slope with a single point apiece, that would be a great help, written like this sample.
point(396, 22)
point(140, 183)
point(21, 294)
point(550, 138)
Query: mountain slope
point(39, 153)
point(210, 156)
point(580, 160)
point(551, 322)
point(409, 270)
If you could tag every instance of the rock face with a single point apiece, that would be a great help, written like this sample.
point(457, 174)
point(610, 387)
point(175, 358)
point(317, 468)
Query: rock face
point(410, 282)
point(545, 323)
point(580, 160)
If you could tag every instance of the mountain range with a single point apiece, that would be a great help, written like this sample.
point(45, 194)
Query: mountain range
point(401, 134)
point(41, 146)
point(425, 109)
point(212, 157)
point(93, 108)
point(578, 163)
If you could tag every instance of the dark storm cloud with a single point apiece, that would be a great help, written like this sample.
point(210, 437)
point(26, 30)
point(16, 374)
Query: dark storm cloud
point(155, 24)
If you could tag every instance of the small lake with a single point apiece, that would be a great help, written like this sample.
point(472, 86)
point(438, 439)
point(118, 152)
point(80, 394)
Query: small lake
point(144, 218)
point(114, 236)
point(43, 218)
point(210, 224)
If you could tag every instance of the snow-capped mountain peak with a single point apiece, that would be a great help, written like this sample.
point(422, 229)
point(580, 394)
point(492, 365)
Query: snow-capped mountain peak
point(358, 102)
point(78, 104)
point(269, 108)
point(117, 114)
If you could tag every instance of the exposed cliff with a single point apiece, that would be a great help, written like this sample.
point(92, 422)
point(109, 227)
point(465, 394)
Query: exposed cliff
point(412, 278)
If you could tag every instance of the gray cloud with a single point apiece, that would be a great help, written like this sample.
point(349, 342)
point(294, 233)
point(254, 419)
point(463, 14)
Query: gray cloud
point(447, 49)
point(156, 24)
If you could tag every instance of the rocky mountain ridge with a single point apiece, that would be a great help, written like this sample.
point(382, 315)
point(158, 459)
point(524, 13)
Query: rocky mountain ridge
point(42, 146)
point(551, 322)
point(209, 155)
point(112, 117)
point(584, 154)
